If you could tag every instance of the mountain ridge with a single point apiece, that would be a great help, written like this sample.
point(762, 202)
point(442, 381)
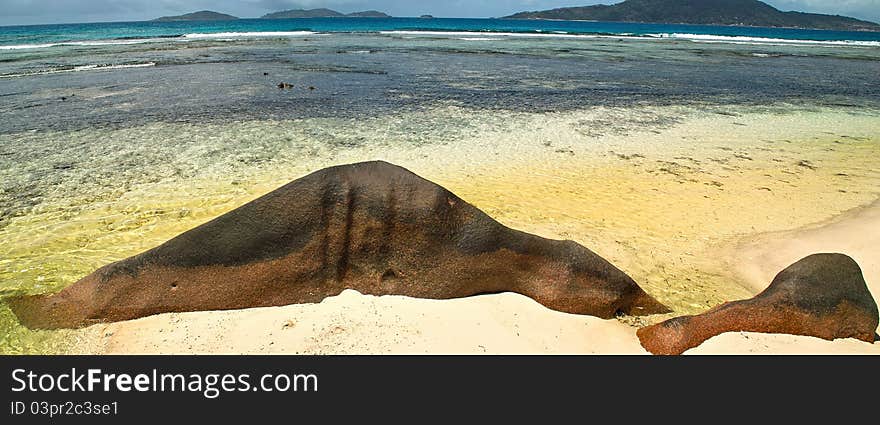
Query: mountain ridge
point(322, 13)
point(705, 12)
point(202, 15)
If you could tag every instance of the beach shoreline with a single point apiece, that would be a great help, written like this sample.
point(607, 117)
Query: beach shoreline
point(654, 194)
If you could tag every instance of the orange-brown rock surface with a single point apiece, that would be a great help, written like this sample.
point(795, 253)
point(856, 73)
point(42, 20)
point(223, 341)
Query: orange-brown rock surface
point(822, 295)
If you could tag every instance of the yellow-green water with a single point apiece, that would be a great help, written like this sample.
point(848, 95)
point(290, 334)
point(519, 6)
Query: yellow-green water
point(654, 190)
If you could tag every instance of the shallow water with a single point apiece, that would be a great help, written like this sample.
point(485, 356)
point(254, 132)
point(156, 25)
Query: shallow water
point(357, 75)
point(650, 152)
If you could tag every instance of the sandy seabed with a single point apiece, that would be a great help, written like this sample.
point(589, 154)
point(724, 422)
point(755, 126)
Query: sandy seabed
point(699, 207)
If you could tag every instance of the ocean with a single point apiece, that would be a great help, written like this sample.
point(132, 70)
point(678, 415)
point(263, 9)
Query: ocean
point(207, 70)
point(36, 35)
point(115, 137)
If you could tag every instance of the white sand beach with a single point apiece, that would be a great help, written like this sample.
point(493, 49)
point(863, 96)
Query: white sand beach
point(351, 323)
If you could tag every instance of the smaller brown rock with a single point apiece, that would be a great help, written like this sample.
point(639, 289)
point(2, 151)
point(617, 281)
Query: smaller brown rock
point(822, 295)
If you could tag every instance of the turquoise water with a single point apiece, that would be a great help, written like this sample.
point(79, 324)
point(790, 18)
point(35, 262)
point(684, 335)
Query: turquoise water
point(35, 36)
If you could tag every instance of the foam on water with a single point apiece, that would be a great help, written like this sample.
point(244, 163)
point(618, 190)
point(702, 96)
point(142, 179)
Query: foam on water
point(90, 43)
point(704, 38)
point(460, 34)
point(28, 46)
point(184, 37)
point(80, 68)
point(223, 35)
point(763, 40)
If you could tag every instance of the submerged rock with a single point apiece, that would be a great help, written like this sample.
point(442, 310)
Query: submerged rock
point(374, 227)
point(822, 295)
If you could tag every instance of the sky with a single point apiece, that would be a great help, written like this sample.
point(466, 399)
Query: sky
point(25, 12)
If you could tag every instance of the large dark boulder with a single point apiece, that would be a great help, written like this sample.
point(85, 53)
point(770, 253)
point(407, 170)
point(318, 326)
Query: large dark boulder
point(373, 227)
point(822, 295)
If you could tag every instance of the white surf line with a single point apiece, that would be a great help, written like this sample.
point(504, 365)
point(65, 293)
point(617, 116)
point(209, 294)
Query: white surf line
point(222, 35)
point(89, 43)
point(79, 69)
point(489, 34)
point(734, 39)
point(184, 37)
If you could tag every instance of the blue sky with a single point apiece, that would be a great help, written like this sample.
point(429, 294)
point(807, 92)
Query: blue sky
point(21, 12)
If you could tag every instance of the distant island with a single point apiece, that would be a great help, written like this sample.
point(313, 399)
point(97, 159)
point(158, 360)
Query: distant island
point(368, 14)
point(704, 12)
point(204, 15)
point(322, 13)
point(427, 16)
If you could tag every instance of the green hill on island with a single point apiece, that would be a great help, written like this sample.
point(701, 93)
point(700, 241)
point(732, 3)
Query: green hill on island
point(703, 12)
point(368, 14)
point(322, 13)
point(204, 15)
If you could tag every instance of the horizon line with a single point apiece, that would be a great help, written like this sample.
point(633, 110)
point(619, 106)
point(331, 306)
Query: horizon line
point(419, 17)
